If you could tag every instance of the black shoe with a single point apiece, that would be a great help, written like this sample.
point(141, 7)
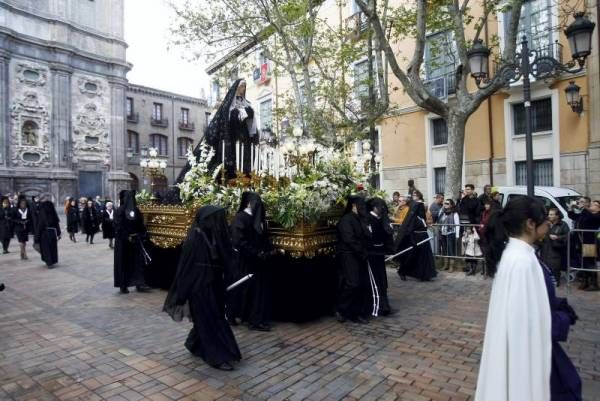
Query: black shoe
point(388, 313)
point(224, 366)
point(5, 251)
point(339, 317)
point(361, 320)
point(259, 327)
point(142, 288)
point(124, 291)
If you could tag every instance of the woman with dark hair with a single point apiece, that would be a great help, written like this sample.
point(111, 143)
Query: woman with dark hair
point(418, 262)
point(73, 219)
point(6, 223)
point(250, 302)
point(379, 244)
point(554, 245)
point(47, 233)
point(89, 218)
point(198, 291)
point(23, 224)
point(522, 359)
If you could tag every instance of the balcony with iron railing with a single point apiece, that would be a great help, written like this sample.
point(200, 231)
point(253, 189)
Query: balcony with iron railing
point(163, 122)
point(133, 118)
point(442, 86)
point(357, 24)
point(187, 126)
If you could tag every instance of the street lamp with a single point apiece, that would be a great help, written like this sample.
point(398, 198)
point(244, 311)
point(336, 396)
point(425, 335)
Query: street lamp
point(539, 64)
point(574, 97)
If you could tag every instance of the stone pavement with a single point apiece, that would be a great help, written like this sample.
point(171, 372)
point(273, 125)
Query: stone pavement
point(66, 334)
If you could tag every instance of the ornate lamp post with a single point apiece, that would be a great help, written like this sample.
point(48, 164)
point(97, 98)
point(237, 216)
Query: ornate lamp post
point(152, 166)
point(539, 65)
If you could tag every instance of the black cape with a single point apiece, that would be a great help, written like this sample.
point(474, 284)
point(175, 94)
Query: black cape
point(47, 233)
point(108, 225)
point(198, 291)
point(73, 219)
point(90, 220)
point(418, 262)
point(379, 244)
point(130, 233)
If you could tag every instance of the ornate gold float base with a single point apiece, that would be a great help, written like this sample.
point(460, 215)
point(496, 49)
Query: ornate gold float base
point(168, 226)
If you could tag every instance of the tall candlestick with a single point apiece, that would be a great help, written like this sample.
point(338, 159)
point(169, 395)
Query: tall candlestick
point(252, 158)
point(242, 159)
point(237, 155)
point(223, 152)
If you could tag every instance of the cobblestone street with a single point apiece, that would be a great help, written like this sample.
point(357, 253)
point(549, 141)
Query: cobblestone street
point(67, 334)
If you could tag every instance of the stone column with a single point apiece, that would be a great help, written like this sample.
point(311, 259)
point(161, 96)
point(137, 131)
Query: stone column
point(61, 115)
point(4, 108)
point(591, 105)
point(118, 178)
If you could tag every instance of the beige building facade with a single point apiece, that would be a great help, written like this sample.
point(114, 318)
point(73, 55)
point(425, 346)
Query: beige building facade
point(413, 141)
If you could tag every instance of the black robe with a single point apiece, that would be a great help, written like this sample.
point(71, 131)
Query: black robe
point(47, 233)
point(22, 227)
point(108, 224)
point(249, 301)
point(380, 243)
point(89, 219)
point(198, 291)
point(353, 276)
point(73, 219)
point(418, 262)
point(130, 233)
point(6, 224)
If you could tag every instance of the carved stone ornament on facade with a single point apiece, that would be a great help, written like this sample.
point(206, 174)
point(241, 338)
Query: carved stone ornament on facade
point(90, 139)
point(90, 87)
point(29, 139)
point(31, 75)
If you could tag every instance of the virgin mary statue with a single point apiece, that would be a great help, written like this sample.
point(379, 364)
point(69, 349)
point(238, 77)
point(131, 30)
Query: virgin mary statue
point(233, 123)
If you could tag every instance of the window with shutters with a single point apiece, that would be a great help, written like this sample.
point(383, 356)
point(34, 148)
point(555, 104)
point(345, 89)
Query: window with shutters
point(160, 142)
point(541, 116)
point(440, 132)
point(542, 173)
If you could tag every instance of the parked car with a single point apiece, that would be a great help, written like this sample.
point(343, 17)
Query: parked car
point(557, 197)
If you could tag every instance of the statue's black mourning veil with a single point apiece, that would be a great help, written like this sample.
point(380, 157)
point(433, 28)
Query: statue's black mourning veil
point(217, 131)
point(258, 210)
point(203, 255)
point(383, 209)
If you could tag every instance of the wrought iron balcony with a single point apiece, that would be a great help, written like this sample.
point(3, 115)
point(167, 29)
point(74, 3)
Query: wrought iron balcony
point(547, 58)
point(133, 118)
point(187, 126)
point(163, 122)
point(442, 86)
point(357, 24)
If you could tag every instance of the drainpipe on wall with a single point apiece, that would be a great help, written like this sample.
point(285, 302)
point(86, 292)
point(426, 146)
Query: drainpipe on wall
point(489, 113)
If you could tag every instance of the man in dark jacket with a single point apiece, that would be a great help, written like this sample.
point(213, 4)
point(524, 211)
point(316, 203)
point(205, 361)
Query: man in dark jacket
point(352, 254)
point(468, 206)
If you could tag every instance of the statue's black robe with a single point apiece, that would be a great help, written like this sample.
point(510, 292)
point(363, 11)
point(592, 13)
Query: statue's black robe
point(249, 301)
point(47, 233)
point(129, 237)
point(198, 291)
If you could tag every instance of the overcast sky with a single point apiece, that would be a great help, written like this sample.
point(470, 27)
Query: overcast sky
point(147, 34)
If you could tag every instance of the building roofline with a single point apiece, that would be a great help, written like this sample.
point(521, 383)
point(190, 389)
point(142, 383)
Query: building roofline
point(166, 94)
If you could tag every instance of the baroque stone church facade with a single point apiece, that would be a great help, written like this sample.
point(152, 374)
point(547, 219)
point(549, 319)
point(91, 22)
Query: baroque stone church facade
point(62, 98)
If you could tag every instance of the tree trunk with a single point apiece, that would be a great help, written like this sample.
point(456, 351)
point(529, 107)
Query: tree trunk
point(456, 124)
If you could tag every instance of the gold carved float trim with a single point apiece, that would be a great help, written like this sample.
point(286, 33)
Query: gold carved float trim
point(168, 225)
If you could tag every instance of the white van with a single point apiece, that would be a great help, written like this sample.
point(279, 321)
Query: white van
point(559, 198)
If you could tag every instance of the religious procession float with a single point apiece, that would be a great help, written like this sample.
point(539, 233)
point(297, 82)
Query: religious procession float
point(303, 184)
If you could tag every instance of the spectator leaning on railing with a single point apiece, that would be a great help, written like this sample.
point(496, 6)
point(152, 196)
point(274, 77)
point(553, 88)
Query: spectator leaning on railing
point(589, 219)
point(449, 233)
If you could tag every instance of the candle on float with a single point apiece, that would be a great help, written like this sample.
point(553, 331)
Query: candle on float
point(252, 154)
point(237, 155)
point(223, 152)
point(242, 157)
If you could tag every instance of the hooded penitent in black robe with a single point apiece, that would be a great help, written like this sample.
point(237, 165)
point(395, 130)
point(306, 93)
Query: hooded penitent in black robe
point(198, 291)
point(249, 301)
point(418, 262)
point(380, 243)
point(6, 224)
point(130, 233)
point(352, 255)
point(47, 233)
point(233, 121)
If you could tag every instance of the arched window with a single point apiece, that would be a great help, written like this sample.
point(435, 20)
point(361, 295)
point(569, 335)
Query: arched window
point(133, 142)
point(29, 133)
point(135, 182)
point(183, 144)
point(159, 142)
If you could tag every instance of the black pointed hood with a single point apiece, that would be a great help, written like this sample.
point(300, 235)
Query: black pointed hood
point(257, 207)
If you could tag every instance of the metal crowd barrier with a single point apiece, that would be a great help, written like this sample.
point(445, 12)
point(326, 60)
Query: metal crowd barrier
point(576, 262)
point(447, 245)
